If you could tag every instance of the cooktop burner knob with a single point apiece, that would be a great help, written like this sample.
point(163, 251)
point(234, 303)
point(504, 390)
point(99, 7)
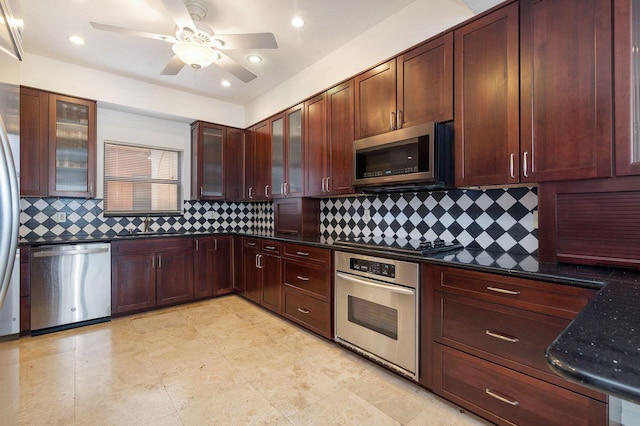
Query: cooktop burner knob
point(438, 243)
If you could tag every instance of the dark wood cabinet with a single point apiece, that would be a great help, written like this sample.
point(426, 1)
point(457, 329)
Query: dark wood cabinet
point(263, 273)
point(626, 102)
point(58, 145)
point(258, 172)
point(329, 127)
point(566, 85)
point(484, 347)
point(414, 88)
point(487, 125)
point(297, 216)
point(213, 268)
point(287, 145)
point(216, 162)
point(238, 264)
point(149, 273)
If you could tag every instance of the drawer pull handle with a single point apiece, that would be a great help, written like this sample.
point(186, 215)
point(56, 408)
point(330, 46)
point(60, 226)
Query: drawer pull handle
point(270, 247)
point(500, 398)
point(302, 253)
point(303, 311)
point(503, 291)
point(251, 244)
point(502, 336)
point(301, 278)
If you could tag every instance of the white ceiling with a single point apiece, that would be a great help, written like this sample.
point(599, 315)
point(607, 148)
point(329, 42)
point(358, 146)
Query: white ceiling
point(329, 25)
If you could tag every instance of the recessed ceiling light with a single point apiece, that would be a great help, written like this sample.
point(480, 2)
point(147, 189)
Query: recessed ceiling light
point(297, 22)
point(254, 59)
point(76, 40)
point(225, 83)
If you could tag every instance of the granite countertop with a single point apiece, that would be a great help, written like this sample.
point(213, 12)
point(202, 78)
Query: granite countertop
point(601, 347)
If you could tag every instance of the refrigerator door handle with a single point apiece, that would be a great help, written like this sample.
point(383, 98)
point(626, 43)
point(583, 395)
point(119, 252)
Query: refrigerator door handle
point(10, 212)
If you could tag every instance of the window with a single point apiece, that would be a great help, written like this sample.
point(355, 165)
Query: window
point(141, 180)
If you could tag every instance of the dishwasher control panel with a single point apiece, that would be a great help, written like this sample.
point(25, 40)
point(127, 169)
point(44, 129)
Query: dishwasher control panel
point(372, 267)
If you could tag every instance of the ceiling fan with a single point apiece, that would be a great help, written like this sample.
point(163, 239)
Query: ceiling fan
point(195, 44)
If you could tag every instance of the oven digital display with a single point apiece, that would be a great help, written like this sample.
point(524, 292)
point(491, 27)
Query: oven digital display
point(377, 268)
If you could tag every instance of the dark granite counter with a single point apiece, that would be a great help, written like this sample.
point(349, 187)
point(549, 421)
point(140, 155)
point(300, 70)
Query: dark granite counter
point(601, 347)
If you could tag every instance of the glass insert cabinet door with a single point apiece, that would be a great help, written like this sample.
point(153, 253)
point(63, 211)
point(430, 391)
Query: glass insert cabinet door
point(72, 139)
point(212, 154)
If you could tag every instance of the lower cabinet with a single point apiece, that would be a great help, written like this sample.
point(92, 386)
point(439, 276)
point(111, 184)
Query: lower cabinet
point(484, 347)
point(213, 267)
point(150, 273)
point(263, 273)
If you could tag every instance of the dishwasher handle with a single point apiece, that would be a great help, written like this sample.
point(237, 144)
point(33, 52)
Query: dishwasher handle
point(55, 253)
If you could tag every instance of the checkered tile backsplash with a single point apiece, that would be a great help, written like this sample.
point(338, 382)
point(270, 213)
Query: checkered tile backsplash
point(493, 219)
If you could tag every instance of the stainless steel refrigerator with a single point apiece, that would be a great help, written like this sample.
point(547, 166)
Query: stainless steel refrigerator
point(10, 56)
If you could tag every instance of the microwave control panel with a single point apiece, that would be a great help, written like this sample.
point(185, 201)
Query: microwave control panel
point(372, 267)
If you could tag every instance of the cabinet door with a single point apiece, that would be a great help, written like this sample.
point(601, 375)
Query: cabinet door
point(566, 89)
point(249, 164)
point(425, 83)
point(238, 265)
point(175, 277)
point(376, 100)
point(626, 29)
point(340, 121)
point(262, 162)
point(277, 156)
point(316, 149)
point(72, 147)
point(34, 143)
point(252, 275)
point(234, 165)
point(203, 267)
point(271, 294)
point(133, 282)
point(222, 269)
point(486, 92)
point(207, 173)
point(294, 145)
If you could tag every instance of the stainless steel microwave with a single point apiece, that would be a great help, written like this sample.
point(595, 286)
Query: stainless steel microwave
point(410, 159)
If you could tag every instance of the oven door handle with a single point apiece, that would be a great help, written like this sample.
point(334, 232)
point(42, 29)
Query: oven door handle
point(391, 288)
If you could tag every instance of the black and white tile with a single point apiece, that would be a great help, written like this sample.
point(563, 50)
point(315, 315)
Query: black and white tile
point(493, 219)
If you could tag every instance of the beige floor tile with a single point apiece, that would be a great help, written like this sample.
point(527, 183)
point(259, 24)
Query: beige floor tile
point(46, 369)
point(158, 320)
point(341, 408)
point(443, 413)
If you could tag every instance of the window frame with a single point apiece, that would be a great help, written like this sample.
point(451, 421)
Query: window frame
point(178, 182)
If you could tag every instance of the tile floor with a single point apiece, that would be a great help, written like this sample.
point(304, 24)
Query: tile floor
point(222, 361)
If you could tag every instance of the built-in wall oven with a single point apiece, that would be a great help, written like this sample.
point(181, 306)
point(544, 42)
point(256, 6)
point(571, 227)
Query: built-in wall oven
point(376, 311)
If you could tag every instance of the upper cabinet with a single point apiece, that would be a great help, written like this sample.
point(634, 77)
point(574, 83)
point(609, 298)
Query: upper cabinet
point(216, 162)
point(566, 89)
point(286, 153)
point(627, 79)
point(329, 123)
point(414, 88)
point(258, 162)
point(487, 123)
point(565, 94)
point(58, 145)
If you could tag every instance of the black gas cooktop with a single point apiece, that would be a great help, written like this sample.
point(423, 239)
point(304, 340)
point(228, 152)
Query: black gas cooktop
point(400, 245)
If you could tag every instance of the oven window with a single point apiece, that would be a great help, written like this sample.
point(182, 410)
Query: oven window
point(379, 318)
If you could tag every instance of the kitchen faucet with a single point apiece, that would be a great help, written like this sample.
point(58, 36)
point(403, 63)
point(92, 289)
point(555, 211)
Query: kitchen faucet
point(147, 222)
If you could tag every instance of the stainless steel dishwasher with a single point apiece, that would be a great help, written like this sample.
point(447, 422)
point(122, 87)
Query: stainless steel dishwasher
point(70, 286)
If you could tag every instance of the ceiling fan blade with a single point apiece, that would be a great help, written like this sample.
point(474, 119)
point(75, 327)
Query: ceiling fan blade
point(173, 67)
point(248, 41)
point(180, 14)
point(129, 31)
point(228, 64)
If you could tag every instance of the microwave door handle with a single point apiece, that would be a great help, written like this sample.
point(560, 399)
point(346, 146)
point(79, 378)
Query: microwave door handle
point(391, 288)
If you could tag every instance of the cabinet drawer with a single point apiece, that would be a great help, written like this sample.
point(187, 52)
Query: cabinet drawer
point(554, 299)
point(157, 244)
point(308, 253)
point(252, 242)
point(308, 312)
point(270, 246)
point(507, 397)
point(308, 279)
point(510, 333)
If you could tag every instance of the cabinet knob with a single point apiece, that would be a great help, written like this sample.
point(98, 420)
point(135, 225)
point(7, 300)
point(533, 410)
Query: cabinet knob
point(392, 120)
point(399, 120)
point(323, 185)
point(525, 170)
point(250, 192)
point(328, 184)
point(266, 191)
point(511, 165)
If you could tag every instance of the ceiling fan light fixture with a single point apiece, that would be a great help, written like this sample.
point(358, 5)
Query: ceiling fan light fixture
point(195, 54)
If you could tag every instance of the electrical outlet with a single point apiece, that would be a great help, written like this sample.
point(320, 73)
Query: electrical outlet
point(535, 219)
point(60, 217)
point(367, 215)
point(208, 215)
